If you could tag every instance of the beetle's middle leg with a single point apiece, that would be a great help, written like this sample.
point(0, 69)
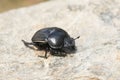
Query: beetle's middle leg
point(46, 51)
point(46, 54)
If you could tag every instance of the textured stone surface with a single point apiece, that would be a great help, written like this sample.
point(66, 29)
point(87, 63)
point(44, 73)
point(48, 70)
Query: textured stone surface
point(98, 54)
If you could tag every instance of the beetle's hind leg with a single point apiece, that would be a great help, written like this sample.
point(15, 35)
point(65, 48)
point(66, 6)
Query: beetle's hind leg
point(27, 44)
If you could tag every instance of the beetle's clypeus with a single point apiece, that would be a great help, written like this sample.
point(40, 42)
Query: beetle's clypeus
point(53, 39)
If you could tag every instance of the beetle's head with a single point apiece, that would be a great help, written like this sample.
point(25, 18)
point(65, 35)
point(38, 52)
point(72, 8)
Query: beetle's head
point(69, 45)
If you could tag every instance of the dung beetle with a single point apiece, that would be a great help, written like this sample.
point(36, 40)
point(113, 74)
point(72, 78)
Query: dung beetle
point(55, 40)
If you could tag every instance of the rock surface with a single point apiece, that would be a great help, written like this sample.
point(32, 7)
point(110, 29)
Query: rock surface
point(98, 54)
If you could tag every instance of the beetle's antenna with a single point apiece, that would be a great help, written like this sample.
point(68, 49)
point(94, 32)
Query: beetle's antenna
point(77, 38)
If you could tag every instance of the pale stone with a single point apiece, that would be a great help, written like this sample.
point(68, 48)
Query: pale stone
point(98, 49)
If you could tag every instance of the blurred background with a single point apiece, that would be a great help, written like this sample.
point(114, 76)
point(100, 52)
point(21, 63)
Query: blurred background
point(6, 5)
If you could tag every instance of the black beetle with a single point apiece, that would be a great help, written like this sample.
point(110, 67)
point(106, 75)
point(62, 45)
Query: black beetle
point(53, 39)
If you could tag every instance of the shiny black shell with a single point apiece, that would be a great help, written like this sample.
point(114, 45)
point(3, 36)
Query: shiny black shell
point(53, 36)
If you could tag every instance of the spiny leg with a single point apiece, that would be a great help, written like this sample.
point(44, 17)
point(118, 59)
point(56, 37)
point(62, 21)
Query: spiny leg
point(46, 51)
point(57, 52)
point(46, 54)
point(60, 53)
point(27, 44)
point(63, 54)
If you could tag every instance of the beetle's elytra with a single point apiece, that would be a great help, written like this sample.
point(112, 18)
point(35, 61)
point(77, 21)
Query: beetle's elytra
point(53, 39)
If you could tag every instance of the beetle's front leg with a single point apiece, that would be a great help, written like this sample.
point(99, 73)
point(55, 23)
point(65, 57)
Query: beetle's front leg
point(63, 54)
